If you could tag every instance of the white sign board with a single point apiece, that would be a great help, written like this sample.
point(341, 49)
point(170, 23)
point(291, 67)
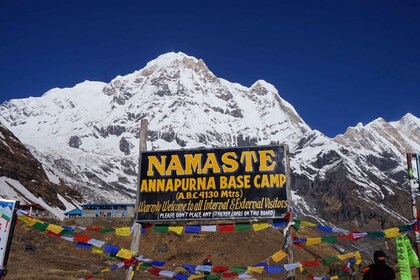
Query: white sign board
point(7, 208)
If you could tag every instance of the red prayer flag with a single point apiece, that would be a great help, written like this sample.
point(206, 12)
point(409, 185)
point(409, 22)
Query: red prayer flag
point(227, 228)
point(311, 263)
point(344, 237)
point(220, 269)
point(94, 229)
point(154, 270)
point(82, 238)
point(54, 234)
point(229, 275)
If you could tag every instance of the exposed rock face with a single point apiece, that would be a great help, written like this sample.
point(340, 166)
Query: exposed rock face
point(356, 178)
point(75, 142)
point(17, 163)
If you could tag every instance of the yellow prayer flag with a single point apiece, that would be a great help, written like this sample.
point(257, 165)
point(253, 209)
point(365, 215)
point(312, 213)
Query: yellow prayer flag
point(279, 256)
point(256, 269)
point(358, 257)
point(301, 268)
point(307, 224)
point(125, 254)
point(122, 231)
point(313, 241)
point(260, 226)
point(196, 277)
point(335, 277)
point(392, 232)
point(97, 250)
point(346, 256)
point(105, 270)
point(177, 229)
point(54, 228)
point(28, 220)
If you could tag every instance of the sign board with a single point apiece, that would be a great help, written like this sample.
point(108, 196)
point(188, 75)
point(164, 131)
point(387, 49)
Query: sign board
point(212, 184)
point(7, 223)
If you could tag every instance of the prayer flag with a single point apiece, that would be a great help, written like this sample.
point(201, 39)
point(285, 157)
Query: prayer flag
point(208, 228)
point(177, 229)
point(96, 242)
point(192, 229)
point(313, 241)
point(327, 261)
point(307, 224)
point(325, 228)
point(161, 228)
point(311, 263)
point(392, 232)
point(330, 240)
point(291, 266)
point(220, 269)
point(167, 273)
point(242, 226)
point(96, 250)
point(111, 249)
point(122, 231)
point(229, 275)
point(157, 263)
point(227, 228)
point(54, 228)
point(40, 226)
point(256, 269)
point(274, 269)
point(125, 254)
point(260, 226)
point(279, 256)
point(104, 230)
point(82, 238)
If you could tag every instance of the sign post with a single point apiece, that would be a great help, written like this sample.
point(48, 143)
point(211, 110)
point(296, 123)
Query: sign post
point(7, 225)
point(135, 242)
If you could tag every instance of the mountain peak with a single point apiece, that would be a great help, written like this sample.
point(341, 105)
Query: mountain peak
point(264, 84)
point(177, 60)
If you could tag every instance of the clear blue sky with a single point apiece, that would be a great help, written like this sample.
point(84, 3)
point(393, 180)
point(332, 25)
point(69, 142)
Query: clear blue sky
point(337, 62)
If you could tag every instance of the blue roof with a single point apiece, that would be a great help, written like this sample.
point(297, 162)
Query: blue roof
point(108, 204)
point(74, 212)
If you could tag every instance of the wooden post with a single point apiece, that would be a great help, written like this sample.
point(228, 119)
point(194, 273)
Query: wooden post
point(290, 255)
point(135, 241)
point(413, 200)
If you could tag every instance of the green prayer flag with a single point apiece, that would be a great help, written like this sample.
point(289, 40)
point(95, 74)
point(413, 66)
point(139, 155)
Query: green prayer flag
point(329, 260)
point(213, 277)
point(242, 226)
point(410, 173)
point(96, 273)
point(412, 257)
point(238, 269)
point(331, 240)
point(161, 228)
point(67, 232)
point(40, 226)
point(297, 224)
point(103, 230)
point(403, 262)
point(376, 234)
point(144, 266)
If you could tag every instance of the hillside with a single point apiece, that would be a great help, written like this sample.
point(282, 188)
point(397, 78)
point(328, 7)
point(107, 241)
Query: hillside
point(35, 255)
point(23, 178)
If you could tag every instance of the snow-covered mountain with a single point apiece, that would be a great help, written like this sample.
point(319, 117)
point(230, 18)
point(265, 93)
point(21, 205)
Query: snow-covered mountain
point(23, 178)
point(87, 137)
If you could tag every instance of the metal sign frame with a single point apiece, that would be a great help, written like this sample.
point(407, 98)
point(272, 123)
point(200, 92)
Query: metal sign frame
point(6, 229)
